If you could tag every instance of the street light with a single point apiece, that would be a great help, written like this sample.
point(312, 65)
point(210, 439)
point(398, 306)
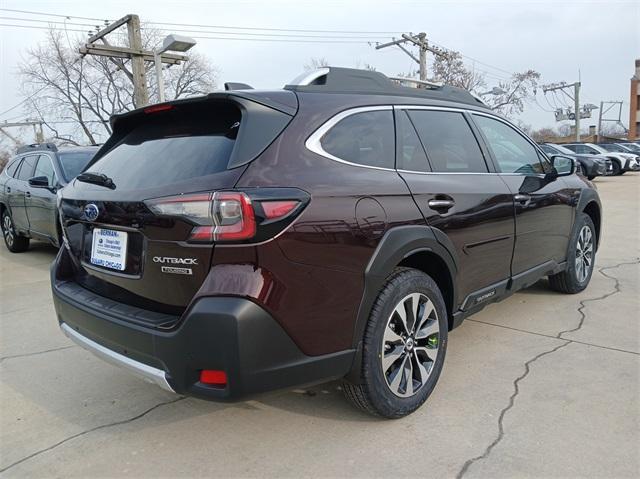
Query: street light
point(494, 91)
point(174, 43)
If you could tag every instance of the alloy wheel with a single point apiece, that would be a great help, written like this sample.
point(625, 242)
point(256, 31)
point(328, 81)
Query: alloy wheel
point(410, 345)
point(7, 230)
point(584, 253)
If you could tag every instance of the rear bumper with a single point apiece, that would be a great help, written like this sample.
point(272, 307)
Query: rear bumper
point(221, 333)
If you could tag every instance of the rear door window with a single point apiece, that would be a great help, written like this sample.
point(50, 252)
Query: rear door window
point(449, 142)
point(411, 155)
point(26, 170)
point(365, 138)
point(171, 148)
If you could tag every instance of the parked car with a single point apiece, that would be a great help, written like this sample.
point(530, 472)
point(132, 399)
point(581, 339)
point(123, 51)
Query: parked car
point(621, 162)
point(630, 147)
point(337, 228)
point(28, 186)
point(590, 165)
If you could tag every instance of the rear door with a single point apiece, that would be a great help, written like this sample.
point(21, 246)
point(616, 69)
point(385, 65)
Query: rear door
point(41, 203)
point(449, 176)
point(19, 192)
point(544, 207)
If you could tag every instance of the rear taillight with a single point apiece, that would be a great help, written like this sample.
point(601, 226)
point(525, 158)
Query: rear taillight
point(230, 216)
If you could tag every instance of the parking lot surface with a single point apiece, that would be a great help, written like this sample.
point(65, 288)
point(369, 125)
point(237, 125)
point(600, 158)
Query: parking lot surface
point(541, 384)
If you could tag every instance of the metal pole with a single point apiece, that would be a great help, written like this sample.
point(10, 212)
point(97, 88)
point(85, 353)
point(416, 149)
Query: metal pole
point(422, 47)
point(159, 80)
point(140, 95)
point(598, 139)
point(576, 98)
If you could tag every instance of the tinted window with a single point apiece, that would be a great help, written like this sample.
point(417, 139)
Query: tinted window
point(614, 148)
point(73, 163)
point(450, 144)
point(574, 148)
point(411, 155)
point(26, 170)
point(12, 168)
point(172, 147)
point(365, 138)
point(512, 151)
point(45, 168)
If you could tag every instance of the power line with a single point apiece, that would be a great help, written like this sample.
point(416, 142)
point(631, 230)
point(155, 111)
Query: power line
point(53, 14)
point(227, 27)
point(47, 21)
point(288, 40)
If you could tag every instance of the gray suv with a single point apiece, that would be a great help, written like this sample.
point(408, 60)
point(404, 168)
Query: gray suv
point(28, 187)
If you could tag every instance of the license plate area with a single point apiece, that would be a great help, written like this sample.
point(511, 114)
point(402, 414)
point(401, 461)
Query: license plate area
point(124, 256)
point(109, 249)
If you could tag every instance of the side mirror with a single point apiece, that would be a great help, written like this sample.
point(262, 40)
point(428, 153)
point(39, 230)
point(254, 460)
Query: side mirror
point(39, 182)
point(562, 166)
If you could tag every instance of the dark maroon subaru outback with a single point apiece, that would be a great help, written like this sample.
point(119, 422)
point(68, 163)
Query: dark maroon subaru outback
point(339, 228)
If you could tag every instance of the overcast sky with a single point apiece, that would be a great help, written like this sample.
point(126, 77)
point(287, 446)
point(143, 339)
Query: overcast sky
point(561, 39)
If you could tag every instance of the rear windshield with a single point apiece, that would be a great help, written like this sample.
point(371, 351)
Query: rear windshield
point(170, 147)
point(74, 163)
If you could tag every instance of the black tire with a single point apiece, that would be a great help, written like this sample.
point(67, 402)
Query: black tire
point(570, 281)
point(14, 242)
point(374, 394)
point(616, 169)
point(591, 177)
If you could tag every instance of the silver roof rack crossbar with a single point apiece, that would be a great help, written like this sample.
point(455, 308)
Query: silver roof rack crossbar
point(307, 78)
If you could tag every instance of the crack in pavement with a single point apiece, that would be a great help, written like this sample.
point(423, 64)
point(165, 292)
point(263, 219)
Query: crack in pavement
point(527, 366)
point(583, 303)
point(96, 428)
point(36, 353)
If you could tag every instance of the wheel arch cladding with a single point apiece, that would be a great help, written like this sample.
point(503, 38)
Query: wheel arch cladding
point(590, 204)
point(412, 246)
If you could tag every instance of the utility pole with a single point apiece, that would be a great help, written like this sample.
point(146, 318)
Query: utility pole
point(603, 111)
point(134, 52)
point(420, 41)
point(37, 129)
point(562, 86)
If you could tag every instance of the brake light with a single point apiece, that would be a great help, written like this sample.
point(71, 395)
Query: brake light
point(278, 209)
point(233, 216)
point(158, 108)
point(228, 216)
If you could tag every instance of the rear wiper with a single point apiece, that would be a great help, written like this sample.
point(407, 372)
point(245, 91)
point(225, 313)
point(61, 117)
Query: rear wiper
point(96, 179)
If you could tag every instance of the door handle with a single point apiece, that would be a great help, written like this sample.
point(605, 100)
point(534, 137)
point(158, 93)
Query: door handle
point(522, 199)
point(27, 194)
point(8, 189)
point(441, 204)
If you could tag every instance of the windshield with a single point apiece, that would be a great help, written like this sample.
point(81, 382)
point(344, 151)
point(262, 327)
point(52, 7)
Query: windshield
point(632, 146)
point(73, 163)
point(613, 147)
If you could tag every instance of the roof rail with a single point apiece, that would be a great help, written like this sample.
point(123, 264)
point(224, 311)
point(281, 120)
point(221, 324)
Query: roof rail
point(351, 80)
point(37, 147)
point(425, 83)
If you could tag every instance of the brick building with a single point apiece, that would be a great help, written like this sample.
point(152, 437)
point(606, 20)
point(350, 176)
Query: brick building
point(634, 104)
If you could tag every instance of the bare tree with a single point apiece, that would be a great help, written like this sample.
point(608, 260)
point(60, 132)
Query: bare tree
point(449, 69)
point(517, 91)
point(315, 63)
point(75, 96)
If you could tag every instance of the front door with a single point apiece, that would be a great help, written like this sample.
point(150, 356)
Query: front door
point(544, 206)
point(445, 169)
point(41, 203)
point(17, 197)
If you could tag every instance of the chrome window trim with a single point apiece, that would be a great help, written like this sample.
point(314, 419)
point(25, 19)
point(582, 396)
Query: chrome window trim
point(313, 142)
